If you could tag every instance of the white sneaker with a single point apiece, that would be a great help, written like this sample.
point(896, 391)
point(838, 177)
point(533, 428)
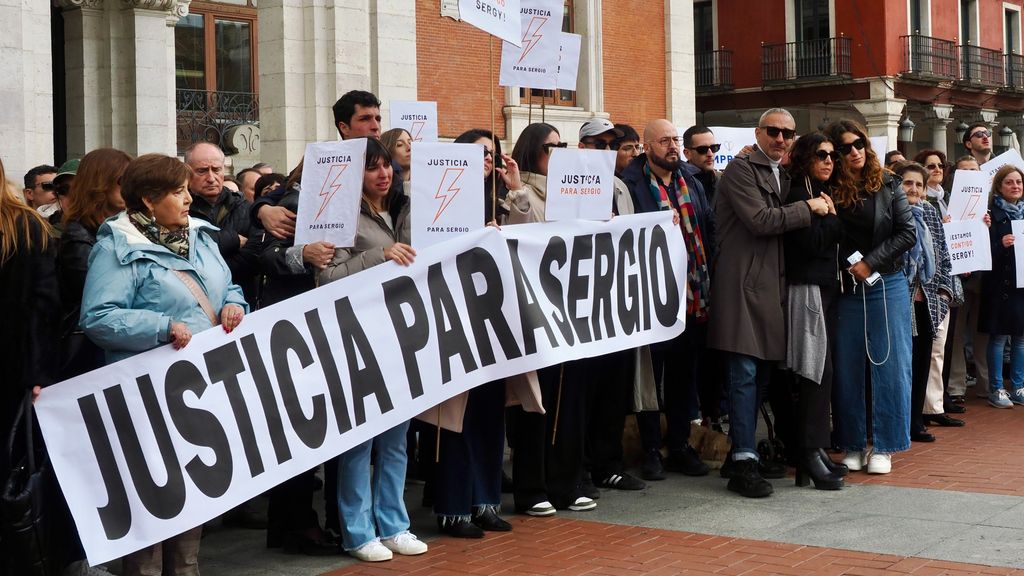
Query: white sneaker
point(854, 460)
point(406, 544)
point(582, 504)
point(541, 509)
point(372, 551)
point(880, 464)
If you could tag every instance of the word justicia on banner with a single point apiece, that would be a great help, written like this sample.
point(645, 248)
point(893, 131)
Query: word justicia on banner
point(149, 447)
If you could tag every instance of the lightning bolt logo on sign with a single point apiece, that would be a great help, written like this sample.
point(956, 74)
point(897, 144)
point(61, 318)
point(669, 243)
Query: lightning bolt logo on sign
point(416, 130)
point(532, 36)
point(331, 186)
point(329, 192)
point(447, 194)
point(445, 173)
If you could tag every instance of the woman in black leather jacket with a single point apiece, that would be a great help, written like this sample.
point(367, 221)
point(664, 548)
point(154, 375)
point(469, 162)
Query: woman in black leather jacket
point(874, 306)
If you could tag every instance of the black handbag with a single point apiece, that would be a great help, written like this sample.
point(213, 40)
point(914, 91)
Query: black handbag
point(26, 533)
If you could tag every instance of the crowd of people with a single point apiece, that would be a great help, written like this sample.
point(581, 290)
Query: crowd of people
point(818, 281)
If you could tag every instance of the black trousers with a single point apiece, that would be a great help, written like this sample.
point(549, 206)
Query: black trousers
point(678, 368)
point(468, 473)
point(609, 391)
point(548, 464)
point(811, 419)
point(920, 362)
point(290, 509)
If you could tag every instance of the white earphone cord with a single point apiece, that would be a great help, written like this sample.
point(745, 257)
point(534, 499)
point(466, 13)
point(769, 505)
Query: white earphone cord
point(888, 337)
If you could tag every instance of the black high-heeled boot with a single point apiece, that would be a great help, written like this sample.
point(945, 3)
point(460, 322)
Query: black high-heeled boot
point(811, 466)
point(837, 468)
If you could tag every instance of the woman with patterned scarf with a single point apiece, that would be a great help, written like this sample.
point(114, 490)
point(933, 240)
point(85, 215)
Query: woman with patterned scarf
point(155, 277)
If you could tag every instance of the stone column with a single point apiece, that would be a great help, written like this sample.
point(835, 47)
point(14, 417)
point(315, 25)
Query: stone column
point(939, 117)
point(87, 75)
point(882, 113)
point(680, 80)
point(393, 42)
point(26, 115)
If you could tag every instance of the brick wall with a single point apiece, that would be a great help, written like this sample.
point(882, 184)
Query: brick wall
point(634, 61)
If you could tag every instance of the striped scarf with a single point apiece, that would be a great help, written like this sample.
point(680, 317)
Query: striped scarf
point(698, 282)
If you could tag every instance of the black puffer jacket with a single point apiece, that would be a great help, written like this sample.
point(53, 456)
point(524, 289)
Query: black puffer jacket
point(231, 215)
point(279, 280)
point(78, 354)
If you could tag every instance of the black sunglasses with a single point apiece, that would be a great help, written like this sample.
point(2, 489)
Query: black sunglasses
point(845, 149)
point(982, 134)
point(824, 155)
point(935, 167)
point(601, 144)
point(702, 150)
point(548, 146)
point(47, 185)
point(774, 131)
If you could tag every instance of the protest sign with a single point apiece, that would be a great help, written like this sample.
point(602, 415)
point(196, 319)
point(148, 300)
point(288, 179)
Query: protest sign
point(497, 17)
point(419, 119)
point(581, 184)
point(534, 63)
point(447, 191)
point(568, 61)
point(880, 144)
point(156, 444)
point(1011, 156)
point(332, 184)
point(1017, 226)
point(968, 197)
point(968, 244)
point(732, 140)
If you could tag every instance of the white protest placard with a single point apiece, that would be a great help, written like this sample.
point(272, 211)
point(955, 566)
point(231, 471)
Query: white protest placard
point(581, 184)
point(880, 144)
point(447, 191)
point(1017, 226)
point(968, 244)
point(164, 441)
point(568, 61)
point(332, 185)
point(496, 17)
point(1011, 156)
point(534, 63)
point(732, 141)
point(419, 119)
point(968, 197)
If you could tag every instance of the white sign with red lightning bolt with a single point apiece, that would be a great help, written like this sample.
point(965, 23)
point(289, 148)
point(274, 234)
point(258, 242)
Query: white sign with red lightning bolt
point(447, 191)
point(535, 63)
point(332, 184)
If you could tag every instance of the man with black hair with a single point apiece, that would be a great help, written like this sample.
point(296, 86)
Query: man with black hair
point(978, 141)
point(699, 148)
point(627, 146)
point(39, 190)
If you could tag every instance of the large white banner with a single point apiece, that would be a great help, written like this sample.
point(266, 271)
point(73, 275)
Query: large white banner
point(447, 191)
point(968, 244)
point(332, 185)
point(534, 63)
point(1011, 156)
point(161, 442)
point(732, 140)
point(968, 197)
point(581, 184)
point(1017, 227)
point(568, 61)
point(496, 17)
point(419, 119)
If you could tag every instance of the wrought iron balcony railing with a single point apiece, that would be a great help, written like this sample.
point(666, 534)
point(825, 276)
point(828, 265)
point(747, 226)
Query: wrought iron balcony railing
point(204, 116)
point(808, 60)
point(1014, 71)
point(714, 70)
point(929, 58)
point(981, 66)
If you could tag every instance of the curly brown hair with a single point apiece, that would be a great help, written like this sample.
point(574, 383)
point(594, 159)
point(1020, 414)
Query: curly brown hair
point(850, 182)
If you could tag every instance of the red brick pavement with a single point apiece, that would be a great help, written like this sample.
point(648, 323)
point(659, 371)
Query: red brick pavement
point(984, 456)
point(564, 547)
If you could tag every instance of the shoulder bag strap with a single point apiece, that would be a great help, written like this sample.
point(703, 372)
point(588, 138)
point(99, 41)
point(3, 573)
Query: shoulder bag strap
point(199, 294)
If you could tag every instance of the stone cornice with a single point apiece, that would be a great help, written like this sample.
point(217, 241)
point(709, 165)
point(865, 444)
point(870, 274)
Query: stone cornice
point(71, 4)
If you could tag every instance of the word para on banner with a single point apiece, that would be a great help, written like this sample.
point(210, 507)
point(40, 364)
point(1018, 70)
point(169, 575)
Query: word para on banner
point(158, 443)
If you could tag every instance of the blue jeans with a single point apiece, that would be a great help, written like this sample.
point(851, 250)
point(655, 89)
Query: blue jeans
point(369, 509)
point(745, 373)
point(996, 345)
point(889, 338)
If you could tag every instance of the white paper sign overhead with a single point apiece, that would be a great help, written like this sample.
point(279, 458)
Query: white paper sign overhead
point(968, 198)
point(581, 184)
point(534, 63)
point(496, 17)
point(447, 191)
point(332, 185)
point(419, 119)
point(1018, 249)
point(732, 141)
point(1011, 156)
point(968, 244)
point(569, 61)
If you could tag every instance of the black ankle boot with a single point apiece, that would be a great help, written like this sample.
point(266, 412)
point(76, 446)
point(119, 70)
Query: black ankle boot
point(837, 468)
point(812, 467)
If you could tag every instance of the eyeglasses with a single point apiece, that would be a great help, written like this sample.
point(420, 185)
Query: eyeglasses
point(668, 140)
point(823, 155)
point(599, 144)
point(548, 146)
point(935, 167)
point(702, 150)
point(628, 148)
point(488, 153)
point(845, 149)
point(774, 131)
point(982, 134)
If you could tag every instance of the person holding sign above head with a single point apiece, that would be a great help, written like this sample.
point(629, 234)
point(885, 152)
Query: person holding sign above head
point(978, 142)
point(371, 510)
point(155, 277)
point(658, 181)
point(874, 308)
point(1001, 313)
point(398, 141)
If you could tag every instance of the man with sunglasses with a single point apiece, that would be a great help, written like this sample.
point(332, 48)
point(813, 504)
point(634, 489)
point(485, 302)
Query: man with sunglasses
point(978, 141)
point(700, 148)
point(748, 294)
point(39, 189)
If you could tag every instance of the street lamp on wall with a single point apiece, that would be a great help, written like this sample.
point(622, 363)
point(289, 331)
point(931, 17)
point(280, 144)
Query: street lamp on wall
point(960, 130)
point(906, 130)
point(1006, 137)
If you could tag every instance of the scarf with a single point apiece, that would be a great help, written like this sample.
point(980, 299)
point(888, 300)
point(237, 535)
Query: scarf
point(697, 277)
point(937, 196)
point(1014, 211)
point(176, 241)
point(919, 261)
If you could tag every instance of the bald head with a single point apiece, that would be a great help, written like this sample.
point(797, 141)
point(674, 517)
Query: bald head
point(662, 145)
point(207, 163)
point(656, 129)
